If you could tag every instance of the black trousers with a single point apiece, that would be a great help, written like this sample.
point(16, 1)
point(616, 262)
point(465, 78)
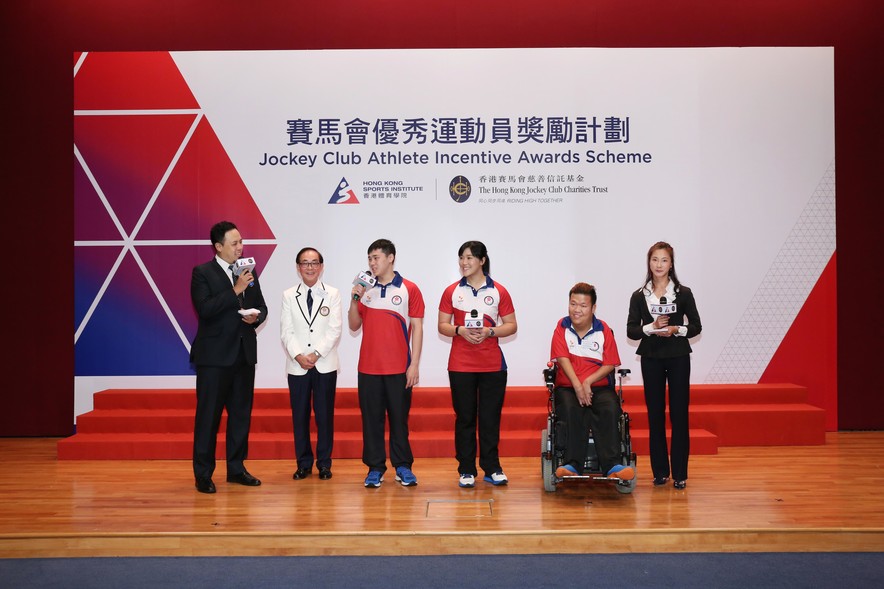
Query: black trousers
point(656, 372)
point(219, 387)
point(477, 397)
point(319, 389)
point(603, 416)
point(382, 396)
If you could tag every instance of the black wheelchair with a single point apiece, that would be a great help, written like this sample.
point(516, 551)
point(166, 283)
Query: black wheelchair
point(552, 451)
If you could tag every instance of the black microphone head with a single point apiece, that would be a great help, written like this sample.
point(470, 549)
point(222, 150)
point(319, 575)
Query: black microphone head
point(368, 272)
point(663, 300)
point(474, 314)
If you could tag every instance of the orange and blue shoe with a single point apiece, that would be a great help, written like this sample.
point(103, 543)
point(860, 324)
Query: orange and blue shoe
point(622, 472)
point(566, 470)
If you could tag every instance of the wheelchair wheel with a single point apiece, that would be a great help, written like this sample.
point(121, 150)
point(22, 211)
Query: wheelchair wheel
point(546, 465)
point(627, 487)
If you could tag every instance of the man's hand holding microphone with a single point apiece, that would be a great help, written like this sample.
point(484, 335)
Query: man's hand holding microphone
point(242, 270)
point(362, 281)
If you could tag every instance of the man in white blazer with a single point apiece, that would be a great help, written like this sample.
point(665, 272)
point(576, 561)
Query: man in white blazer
point(310, 328)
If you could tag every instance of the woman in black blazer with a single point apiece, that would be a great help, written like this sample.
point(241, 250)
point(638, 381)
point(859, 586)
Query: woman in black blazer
point(663, 315)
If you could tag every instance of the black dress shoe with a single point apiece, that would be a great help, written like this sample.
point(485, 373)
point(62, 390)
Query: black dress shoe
point(302, 473)
point(243, 478)
point(205, 485)
point(680, 484)
point(660, 481)
point(324, 473)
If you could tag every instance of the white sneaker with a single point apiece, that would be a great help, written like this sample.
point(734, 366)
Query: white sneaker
point(467, 480)
point(498, 478)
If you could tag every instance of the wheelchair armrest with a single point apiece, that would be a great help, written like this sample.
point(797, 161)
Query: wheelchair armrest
point(549, 375)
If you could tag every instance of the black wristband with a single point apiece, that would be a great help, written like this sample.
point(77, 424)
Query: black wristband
point(456, 329)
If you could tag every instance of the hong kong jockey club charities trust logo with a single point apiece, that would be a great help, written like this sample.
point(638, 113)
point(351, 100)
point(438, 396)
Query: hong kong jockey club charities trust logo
point(459, 189)
point(343, 194)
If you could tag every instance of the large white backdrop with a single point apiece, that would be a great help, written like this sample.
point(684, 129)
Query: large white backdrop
point(735, 145)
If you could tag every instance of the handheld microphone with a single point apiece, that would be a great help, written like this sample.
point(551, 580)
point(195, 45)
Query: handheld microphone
point(664, 308)
point(472, 320)
point(243, 264)
point(365, 280)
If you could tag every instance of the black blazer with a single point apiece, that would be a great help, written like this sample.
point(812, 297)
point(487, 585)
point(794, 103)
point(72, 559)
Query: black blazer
point(221, 326)
point(653, 346)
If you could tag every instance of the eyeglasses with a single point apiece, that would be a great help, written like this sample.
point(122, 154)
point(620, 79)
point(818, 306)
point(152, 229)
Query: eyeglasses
point(309, 264)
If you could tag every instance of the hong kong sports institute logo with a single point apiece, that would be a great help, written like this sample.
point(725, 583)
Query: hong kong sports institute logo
point(343, 194)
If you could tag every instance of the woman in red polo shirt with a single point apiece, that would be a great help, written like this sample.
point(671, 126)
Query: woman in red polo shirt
point(476, 312)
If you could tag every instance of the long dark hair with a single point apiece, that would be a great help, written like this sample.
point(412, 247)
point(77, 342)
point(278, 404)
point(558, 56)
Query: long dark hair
point(478, 249)
point(662, 245)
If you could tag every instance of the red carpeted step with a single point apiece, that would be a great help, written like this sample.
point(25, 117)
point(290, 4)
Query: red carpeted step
point(280, 446)
point(747, 394)
point(145, 424)
point(780, 424)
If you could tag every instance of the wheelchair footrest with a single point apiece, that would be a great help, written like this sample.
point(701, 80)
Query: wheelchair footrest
point(589, 477)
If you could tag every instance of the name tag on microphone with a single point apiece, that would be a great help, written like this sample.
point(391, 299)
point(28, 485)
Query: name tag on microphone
point(472, 322)
point(364, 279)
point(667, 309)
point(243, 264)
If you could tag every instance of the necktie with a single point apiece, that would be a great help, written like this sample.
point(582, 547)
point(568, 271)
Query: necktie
point(310, 301)
point(232, 277)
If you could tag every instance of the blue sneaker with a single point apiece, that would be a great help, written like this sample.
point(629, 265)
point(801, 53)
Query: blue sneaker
point(497, 478)
point(374, 479)
point(405, 476)
point(624, 473)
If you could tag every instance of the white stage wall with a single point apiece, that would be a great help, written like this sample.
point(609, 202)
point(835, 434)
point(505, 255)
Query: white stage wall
point(733, 143)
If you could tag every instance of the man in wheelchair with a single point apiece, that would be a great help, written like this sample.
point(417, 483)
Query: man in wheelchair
point(584, 348)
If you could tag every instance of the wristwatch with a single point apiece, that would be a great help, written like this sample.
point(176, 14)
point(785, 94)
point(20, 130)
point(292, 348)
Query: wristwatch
point(490, 332)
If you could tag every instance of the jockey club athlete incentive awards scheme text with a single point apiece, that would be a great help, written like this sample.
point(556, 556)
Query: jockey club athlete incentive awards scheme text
point(548, 132)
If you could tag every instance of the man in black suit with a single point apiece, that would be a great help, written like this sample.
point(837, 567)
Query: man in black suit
point(225, 352)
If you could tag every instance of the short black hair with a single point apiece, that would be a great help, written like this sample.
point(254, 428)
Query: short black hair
point(309, 249)
point(385, 245)
point(219, 230)
point(583, 288)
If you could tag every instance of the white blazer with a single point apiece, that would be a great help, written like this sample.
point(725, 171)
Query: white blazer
point(319, 331)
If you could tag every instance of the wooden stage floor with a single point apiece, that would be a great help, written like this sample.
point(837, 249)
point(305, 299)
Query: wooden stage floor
point(752, 499)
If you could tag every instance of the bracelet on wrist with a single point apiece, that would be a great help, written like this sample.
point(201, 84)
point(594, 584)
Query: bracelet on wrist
point(456, 329)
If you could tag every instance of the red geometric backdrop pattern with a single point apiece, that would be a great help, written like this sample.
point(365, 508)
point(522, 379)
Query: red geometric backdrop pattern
point(151, 178)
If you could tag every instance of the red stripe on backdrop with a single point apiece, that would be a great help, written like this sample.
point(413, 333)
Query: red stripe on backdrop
point(805, 352)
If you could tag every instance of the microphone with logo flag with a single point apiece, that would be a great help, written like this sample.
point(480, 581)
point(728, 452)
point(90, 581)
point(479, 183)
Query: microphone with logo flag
point(365, 280)
point(472, 321)
point(243, 264)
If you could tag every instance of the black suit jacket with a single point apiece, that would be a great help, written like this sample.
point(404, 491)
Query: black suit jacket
point(663, 347)
point(221, 326)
